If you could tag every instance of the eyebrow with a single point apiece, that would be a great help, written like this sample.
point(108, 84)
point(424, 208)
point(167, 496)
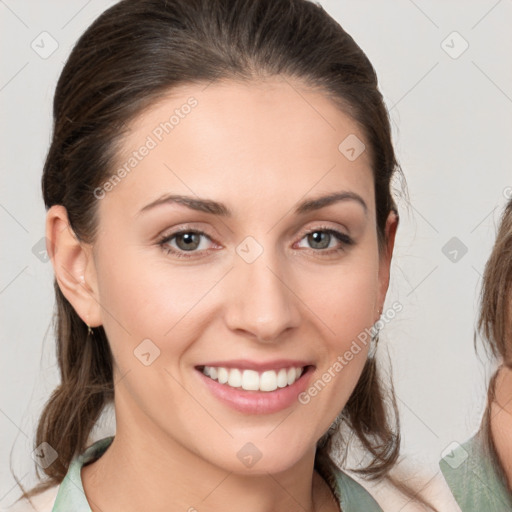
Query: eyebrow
point(220, 209)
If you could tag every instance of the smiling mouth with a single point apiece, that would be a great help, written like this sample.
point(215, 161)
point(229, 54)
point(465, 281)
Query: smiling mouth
point(252, 380)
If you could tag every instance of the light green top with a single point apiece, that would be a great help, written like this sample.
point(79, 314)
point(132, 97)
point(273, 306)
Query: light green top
point(473, 480)
point(71, 496)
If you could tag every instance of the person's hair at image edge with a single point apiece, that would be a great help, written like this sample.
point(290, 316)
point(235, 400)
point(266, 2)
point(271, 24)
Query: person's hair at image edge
point(135, 53)
point(495, 320)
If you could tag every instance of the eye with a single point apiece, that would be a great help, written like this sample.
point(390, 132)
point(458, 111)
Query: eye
point(185, 241)
point(321, 239)
point(191, 241)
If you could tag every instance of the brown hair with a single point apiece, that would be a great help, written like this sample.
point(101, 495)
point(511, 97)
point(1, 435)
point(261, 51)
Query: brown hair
point(495, 320)
point(132, 55)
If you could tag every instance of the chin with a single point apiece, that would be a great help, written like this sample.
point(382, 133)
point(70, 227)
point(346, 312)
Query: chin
point(260, 458)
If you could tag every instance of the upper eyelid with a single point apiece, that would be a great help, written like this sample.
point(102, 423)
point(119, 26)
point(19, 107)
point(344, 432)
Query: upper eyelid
point(188, 229)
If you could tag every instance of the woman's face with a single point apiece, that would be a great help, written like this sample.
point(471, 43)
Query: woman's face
point(244, 271)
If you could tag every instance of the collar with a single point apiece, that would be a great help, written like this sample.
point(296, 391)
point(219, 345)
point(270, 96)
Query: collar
point(71, 495)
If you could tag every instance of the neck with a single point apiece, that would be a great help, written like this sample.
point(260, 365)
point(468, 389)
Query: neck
point(145, 469)
point(501, 420)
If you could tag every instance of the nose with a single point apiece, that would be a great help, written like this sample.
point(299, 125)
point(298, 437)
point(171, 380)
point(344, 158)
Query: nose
point(262, 302)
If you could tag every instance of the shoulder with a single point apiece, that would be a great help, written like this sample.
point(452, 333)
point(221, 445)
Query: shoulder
point(42, 502)
point(475, 483)
point(407, 485)
point(69, 492)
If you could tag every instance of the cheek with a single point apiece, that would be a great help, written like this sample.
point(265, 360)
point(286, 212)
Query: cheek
point(147, 313)
point(142, 300)
point(344, 301)
point(344, 306)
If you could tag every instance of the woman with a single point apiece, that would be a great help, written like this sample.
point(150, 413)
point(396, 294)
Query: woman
point(479, 472)
point(221, 228)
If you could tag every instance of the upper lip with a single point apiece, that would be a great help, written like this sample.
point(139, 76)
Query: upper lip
point(244, 364)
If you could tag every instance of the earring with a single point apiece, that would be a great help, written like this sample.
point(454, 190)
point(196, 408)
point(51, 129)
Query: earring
point(335, 424)
point(374, 340)
point(90, 332)
point(374, 336)
point(333, 428)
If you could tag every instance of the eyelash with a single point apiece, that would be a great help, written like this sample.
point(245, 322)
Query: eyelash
point(341, 237)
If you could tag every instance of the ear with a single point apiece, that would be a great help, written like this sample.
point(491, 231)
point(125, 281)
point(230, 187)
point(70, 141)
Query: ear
point(73, 265)
point(385, 259)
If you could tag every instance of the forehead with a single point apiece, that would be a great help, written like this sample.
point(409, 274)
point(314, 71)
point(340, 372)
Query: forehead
point(244, 140)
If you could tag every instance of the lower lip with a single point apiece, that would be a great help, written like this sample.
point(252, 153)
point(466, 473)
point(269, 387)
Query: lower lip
point(258, 402)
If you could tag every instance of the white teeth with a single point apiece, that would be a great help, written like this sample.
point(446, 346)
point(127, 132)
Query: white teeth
point(282, 378)
point(251, 380)
point(235, 378)
point(222, 374)
point(268, 381)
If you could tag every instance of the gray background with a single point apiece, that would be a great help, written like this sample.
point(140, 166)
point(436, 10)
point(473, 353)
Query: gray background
point(451, 118)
